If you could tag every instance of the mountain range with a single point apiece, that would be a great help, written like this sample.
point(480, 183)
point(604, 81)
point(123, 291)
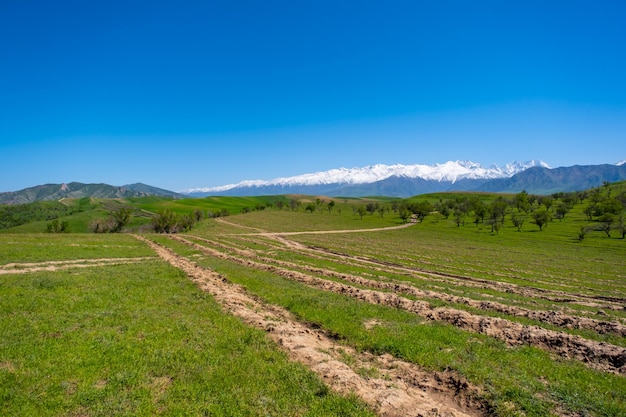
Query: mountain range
point(53, 192)
point(536, 177)
point(408, 180)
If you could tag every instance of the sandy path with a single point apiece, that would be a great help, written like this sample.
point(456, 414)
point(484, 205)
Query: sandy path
point(399, 388)
point(597, 355)
point(25, 268)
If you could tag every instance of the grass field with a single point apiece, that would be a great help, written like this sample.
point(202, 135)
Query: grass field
point(135, 339)
point(507, 322)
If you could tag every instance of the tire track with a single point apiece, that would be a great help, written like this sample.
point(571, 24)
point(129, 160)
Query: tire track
point(597, 355)
point(402, 388)
point(26, 268)
point(549, 317)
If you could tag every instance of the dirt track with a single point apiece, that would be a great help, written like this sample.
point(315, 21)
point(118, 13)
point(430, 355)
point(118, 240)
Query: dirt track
point(551, 317)
point(597, 355)
point(399, 389)
point(25, 268)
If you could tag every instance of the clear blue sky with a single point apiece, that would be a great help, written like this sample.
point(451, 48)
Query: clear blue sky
point(204, 93)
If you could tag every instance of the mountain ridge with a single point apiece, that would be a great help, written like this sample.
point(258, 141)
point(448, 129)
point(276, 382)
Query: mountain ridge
point(402, 181)
point(52, 192)
point(451, 171)
point(385, 180)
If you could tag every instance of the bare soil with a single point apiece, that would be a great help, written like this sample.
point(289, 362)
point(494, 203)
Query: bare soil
point(25, 268)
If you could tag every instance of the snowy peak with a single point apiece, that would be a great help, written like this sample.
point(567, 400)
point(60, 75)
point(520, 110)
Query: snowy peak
point(450, 171)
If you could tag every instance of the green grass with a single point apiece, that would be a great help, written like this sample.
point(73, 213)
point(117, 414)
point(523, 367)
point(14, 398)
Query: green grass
point(214, 204)
point(53, 247)
point(141, 339)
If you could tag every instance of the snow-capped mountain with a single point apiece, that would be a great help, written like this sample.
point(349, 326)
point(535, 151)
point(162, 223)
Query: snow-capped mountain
point(394, 180)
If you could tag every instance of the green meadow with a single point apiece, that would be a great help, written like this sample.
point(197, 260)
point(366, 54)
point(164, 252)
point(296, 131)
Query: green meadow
point(135, 339)
point(111, 329)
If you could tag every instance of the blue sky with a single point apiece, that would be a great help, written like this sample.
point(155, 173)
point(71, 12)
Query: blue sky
point(204, 93)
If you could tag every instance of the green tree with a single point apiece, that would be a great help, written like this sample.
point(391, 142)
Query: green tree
point(606, 223)
point(404, 215)
point(421, 209)
point(560, 211)
point(612, 206)
point(58, 227)
point(521, 201)
point(498, 209)
point(331, 206)
point(518, 221)
point(165, 221)
point(121, 217)
point(541, 218)
point(590, 210)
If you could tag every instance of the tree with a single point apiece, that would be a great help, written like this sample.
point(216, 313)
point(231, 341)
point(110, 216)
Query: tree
point(444, 211)
point(121, 217)
point(371, 207)
point(361, 212)
point(421, 209)
point(547, 201)
point(521, 201)
point(561, 211)
point(310, 207)
point(459, 217)
point(331, 206)
point(58, 227)
point(606, 223)
point(518, 221)
point(186, 222)
point(404, 215)
point(590, 210)
point(611, 205)
point(541, 218)
point(164, 221)
point(498, 209)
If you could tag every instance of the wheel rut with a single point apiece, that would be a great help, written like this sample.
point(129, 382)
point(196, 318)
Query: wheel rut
point(398, 388)
point(597, 355)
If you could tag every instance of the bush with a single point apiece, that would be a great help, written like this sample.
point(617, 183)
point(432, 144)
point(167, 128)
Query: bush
point(58, 227)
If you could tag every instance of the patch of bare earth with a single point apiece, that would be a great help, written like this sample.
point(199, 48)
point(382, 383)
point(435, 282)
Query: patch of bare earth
point(392, 387)
point(25, 268)
point(597, 355)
